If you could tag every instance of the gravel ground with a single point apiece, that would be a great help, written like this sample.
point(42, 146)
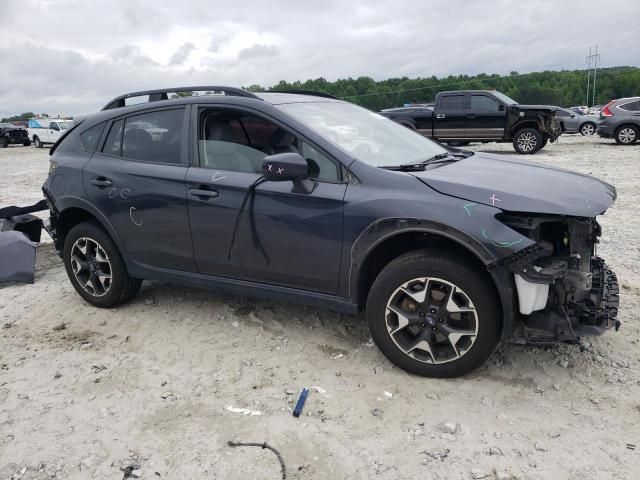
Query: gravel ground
point(144, 390)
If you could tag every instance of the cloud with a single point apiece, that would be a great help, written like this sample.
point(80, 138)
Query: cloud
point(257, 50)
point(71, 65)
point(182, 54)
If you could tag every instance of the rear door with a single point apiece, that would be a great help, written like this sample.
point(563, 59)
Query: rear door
point(450, 116)
point(137, 178)
point(486, 118)
point(282, 237)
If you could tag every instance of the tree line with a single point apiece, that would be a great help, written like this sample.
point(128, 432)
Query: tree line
point(564, 88)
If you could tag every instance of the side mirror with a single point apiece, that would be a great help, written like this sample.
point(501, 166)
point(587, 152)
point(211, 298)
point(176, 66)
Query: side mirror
point(501, 108)
point(291, 166)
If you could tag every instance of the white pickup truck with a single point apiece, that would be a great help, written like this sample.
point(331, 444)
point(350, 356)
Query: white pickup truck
point(47, 130)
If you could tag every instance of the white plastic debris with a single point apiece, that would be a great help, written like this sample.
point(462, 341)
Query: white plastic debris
point(319, 390)
point(388, 394)
point(244, 411)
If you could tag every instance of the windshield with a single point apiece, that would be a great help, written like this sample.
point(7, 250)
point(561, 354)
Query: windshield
point(503, 98)
point(367, 136)
point(65, 125)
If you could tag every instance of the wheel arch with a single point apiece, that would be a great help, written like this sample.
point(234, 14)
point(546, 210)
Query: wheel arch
point(389, 247)
point(523, 124)
point(369, 258)
point(626, 124)
point(72, 211)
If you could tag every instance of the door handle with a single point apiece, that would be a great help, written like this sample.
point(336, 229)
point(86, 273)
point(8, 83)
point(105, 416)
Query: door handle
point(203, 193)
point(440, 115)
point(101, 182)
point(471, 116)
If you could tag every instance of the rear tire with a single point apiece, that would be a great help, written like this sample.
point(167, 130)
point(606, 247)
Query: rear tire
point(587, 129)
point(95, 267)
point(37, 142)
point(27, 143)
point(627, 135)
point(527, 141)
point(4, 143)
point(470, 335)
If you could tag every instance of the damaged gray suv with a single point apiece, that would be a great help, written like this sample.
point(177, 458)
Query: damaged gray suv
point(301, 197)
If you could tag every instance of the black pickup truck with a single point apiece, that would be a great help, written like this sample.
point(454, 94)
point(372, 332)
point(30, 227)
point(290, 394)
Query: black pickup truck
point(464, 116)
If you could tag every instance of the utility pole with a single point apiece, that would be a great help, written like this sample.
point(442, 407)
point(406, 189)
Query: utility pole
point(588, 75)
point(595, 73)
point(593, 57)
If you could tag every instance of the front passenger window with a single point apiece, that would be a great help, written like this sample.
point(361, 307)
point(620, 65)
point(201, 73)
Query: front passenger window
point(236, 142)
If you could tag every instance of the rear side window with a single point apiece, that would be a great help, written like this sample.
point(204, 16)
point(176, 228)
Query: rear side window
point(452, 102)
point(154, 136)
point(631, 107)
point(89, 138)
point(114, 139)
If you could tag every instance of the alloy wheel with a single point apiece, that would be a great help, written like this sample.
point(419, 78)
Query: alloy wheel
point(627, 135)
point(91, 266)
point(431, 320)
point(588, 129)
point(527, 142)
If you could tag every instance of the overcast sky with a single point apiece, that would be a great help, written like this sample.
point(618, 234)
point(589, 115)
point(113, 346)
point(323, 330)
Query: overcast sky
point(71, 56)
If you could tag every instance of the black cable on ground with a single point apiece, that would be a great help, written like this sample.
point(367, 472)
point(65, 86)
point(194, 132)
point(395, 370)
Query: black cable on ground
point(231, 443)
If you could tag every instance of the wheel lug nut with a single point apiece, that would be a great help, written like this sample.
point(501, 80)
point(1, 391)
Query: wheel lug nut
point(423, 325)
point(441, 320)
point(434, 328)
point(433, 310)
point(422, 314)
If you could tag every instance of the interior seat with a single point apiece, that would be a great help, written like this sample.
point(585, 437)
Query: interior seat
point(222, 150)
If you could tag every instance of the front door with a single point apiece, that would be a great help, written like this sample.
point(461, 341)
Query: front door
point(279, 237)
point(486, 118)
point(137, 180)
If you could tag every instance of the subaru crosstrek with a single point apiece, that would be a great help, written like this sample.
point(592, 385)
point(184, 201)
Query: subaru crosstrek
point(302, 197)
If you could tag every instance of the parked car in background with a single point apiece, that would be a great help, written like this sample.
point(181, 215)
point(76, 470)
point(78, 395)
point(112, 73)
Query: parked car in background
point(573, 122)
point(446, 251)
point(12, 135)
point(464, 116)
point(47, 130)
point(620, 120)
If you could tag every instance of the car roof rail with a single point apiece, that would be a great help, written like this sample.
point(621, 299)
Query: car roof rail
point(305, 92)
point(161, 94)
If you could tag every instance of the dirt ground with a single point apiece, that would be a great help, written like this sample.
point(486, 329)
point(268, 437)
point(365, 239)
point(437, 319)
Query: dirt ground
point(144, 390)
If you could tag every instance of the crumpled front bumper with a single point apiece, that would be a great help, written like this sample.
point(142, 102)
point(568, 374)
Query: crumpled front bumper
point(599, 311)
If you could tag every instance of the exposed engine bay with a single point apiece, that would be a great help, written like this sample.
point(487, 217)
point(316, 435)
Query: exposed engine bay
point(565, 291)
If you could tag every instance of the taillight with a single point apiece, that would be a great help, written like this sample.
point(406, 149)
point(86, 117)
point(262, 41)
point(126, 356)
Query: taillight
point(606, 112)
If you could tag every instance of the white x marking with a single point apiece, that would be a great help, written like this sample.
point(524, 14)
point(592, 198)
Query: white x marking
point(269, 168)
point(280, 170)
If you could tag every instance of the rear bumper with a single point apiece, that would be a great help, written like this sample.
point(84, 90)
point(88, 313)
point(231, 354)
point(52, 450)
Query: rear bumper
point(605, 130)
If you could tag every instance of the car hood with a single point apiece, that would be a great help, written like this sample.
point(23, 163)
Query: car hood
point(549, 108)
point(517, 185)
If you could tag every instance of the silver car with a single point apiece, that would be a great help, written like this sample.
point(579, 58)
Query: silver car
point(574, 122)
point(620, 120)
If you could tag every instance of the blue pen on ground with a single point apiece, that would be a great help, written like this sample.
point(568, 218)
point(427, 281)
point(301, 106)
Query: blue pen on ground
point(303, 397)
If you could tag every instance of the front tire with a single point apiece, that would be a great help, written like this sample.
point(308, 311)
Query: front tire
point(95, 267)
point(27, 143)
point(627, 135)
point(527, 141)
point(433, 315)
point(587, 129)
